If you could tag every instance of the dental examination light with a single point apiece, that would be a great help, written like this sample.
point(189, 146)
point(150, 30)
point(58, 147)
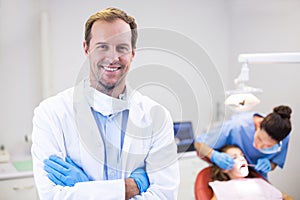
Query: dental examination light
point(243, 98)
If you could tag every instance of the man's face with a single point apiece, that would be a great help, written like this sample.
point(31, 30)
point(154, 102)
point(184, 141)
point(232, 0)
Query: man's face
point(110, 54)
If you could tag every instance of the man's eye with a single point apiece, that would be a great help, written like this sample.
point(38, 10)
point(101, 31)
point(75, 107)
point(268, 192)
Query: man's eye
point(123, 49)
point(102, 46)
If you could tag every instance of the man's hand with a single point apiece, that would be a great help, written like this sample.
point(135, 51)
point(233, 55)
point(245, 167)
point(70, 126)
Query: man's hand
point(64, 173)
point(131, 188)
point(137, 183)
point(141, 179)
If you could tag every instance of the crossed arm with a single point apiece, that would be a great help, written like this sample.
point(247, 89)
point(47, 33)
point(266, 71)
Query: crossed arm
point(67, 173)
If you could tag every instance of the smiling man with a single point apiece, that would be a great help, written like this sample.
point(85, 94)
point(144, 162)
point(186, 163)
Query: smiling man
point(101, 139)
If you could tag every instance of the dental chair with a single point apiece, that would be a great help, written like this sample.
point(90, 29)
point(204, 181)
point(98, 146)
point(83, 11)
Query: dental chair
point(202, 190)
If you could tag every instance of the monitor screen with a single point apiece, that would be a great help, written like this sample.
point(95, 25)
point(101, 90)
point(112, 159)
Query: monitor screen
point(184, 136)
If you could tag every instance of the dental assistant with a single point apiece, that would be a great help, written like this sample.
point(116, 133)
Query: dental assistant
point(264, 140)
point(101, 131)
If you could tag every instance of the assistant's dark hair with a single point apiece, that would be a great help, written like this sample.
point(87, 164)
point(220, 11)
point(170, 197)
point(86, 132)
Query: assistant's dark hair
point(278, 124)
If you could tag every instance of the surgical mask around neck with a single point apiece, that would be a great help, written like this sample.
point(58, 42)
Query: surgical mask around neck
point(274, 149)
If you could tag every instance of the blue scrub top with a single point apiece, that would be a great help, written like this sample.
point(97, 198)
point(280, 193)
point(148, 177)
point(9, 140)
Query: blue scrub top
point(239, 131)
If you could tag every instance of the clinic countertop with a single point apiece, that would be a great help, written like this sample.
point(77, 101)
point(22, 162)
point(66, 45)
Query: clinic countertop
point(9, 171)
point(187, 154)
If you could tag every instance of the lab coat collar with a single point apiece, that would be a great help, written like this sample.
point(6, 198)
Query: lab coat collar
point(103, 103)
point(108, 105)
point(135, 99)
point(87, 128)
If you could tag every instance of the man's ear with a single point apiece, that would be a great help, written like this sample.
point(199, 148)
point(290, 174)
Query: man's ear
point(133, 54)
point(85, 48)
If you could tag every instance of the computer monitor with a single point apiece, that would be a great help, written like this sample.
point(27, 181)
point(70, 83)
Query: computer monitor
point(184, 136)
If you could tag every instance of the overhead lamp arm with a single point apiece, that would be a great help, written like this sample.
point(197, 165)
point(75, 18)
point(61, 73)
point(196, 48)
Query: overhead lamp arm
point(257, 58)
point(260, 58)
point(244, 75)
point(242, 98)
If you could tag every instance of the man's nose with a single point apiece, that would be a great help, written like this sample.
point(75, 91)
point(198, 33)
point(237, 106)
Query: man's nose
point(112, 55)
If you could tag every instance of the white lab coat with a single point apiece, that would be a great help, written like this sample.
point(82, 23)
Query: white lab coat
point(64, 125)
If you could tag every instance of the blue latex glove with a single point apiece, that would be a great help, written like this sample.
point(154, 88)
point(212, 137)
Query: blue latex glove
point(222, 159)
point(64, 173)
point(141, 179)
point(263, 165)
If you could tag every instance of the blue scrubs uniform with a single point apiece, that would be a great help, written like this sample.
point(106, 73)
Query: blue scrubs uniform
point(239, 131)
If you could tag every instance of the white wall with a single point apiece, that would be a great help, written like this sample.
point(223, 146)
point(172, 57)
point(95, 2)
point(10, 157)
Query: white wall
point(19, 72)
point(271, 26)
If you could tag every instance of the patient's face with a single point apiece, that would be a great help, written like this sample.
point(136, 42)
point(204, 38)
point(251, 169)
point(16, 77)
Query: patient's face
point(240, 168)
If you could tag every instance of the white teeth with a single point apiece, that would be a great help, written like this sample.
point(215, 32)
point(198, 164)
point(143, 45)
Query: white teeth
point(111, 69)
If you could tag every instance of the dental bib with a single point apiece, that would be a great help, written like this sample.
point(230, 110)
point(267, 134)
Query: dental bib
point(246, 189)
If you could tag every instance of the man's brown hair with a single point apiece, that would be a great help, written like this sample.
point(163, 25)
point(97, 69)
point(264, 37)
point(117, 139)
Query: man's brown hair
point(109, 15)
